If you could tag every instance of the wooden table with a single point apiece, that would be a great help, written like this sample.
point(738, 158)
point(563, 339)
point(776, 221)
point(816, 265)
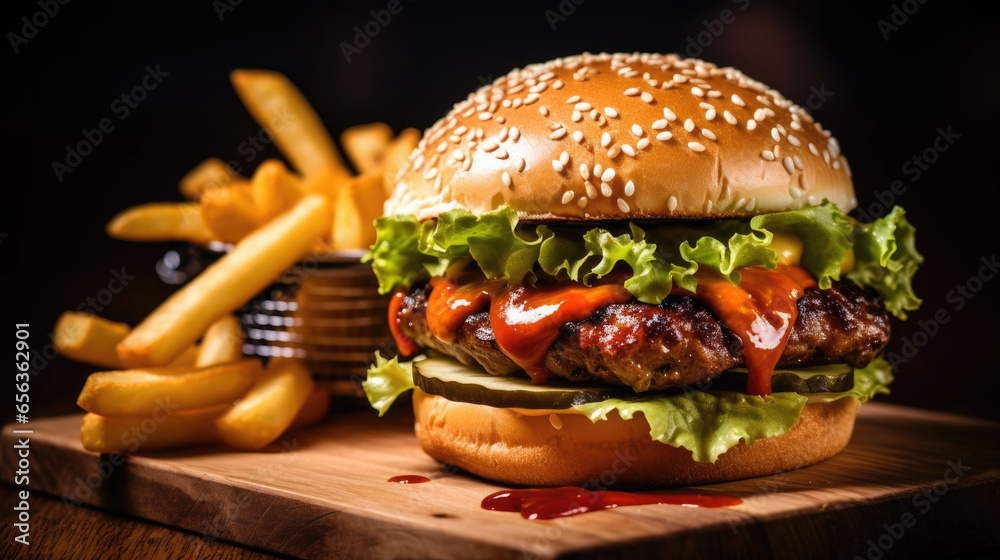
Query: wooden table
point(324, 494)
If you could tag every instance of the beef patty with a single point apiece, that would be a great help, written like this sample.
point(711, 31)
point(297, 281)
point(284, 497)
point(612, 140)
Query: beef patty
point(678, 342)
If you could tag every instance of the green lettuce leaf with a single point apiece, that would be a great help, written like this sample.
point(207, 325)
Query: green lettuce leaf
point(886, 258)
point(707, 423)
point(659, 257)
point(387, 379)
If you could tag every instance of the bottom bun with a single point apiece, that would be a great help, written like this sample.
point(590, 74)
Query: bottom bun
point(569, 449)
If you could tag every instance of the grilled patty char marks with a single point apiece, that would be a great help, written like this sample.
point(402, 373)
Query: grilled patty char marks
point(679, 342)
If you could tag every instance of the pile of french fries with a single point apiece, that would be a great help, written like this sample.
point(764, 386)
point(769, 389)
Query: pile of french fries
point(180, 378)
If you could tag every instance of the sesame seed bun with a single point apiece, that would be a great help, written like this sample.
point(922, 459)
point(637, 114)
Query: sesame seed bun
point(503, 445)
point(623, 136)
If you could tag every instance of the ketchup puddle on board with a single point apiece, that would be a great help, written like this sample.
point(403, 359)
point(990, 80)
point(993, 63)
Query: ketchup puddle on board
point(553, 503)
point(409, 479)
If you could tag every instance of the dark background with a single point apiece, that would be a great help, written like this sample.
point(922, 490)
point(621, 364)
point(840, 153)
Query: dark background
point(885, 100)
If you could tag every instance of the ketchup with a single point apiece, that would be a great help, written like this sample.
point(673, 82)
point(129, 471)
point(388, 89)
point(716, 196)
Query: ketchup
point(552, 503)
point(405, 344)
point(760, 310)
point(409, 479)
point(450, 304)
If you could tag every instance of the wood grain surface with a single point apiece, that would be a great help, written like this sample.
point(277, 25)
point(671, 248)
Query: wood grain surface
point(912, 481)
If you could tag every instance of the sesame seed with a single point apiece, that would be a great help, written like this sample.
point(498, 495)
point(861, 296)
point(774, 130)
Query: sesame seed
point(577, 116)
point(789, 164)
point(793, 140)
point(826, 157)
point(664, 136)
point(567, 197)
point(715, 93)
point(611, 112)
point(546, 76)
point(777, 151)
point(461, 130)
point(582, 106)
point(506, 179)
point(798, 162)
point(629, 188)
point(543, 110)
point(795, 125)
point(708, 134)
point(759, 115)
point(642, 143)
point(595, 114)
point(737, 100)
point(519, 164)
point(768, 155)
point(672, 203)
point(613, 152)
point(781, 129)
point(813, 150)
point(752, 204)
point(669, 115)
point(557, 165)
point(729, 117)
point(591, 189)
point(441, 147)
point(637, 130)
point(698, 91)
point(578, 137)
point(598, 169)
point(689, 125)
point(530, 98)
point(696, 146)
point(500, 154)
point(775, 135)
point(582, 202)
point(489, 145)
point(459, 155)
point(751, 124)
point(431, 173)
point(632, 91)
point(485, 116)
point(503, 134)
point(646, 96)
point(710, 114)
point(557, 133)
point(629, 151)
point(659, 125)
point(705, 106)
point(564, 158)
point(605, 140)
point(606, 189)
point(558, 84)
point(573, 99)
point(836, 164)
point(622, 205)
point(514, 133)
point(584, 171)
point(608, 175)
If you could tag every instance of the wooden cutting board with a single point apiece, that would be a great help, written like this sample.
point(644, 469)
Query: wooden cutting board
point(911, 482)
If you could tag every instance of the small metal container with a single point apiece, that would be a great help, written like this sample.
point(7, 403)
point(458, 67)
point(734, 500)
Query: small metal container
point(325, 309)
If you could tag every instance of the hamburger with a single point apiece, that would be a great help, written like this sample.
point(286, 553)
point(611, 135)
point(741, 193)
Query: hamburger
point(634, 269)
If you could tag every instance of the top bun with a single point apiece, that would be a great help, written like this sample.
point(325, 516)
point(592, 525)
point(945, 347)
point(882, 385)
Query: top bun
point(623, 136)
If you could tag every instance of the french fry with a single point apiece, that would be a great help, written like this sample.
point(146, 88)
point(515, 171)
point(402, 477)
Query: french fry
point(222, 343)
point(364, 145)
point(162, 429)
point(161, 222)
point(396, 155)
point(230, 212)
point(187, 358)
point(269, 406)
point(89, 339)
point(209, 174)
point(359, 202)
point(326, 182)
point(280, 108)
point(225, 285)
point(274, 189)
point(138, 392)
point(314, 409)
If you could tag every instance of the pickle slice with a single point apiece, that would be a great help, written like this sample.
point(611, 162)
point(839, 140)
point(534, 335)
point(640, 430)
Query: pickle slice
point(450, 379)
point(444, 376)
point(833, 378)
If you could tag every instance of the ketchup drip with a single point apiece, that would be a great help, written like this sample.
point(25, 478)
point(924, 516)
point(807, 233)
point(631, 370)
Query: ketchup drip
point(760, 310)
point(405, 344)
point(409, 479)
point(525, 321)
point(551, 503)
